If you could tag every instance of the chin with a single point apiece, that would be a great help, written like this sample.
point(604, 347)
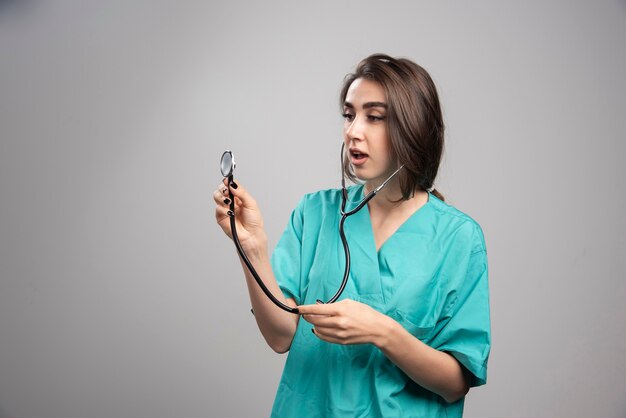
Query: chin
point(365, 176)
point(362, 177)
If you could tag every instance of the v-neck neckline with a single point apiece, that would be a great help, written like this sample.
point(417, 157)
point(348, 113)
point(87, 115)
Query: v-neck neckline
point(360, 192)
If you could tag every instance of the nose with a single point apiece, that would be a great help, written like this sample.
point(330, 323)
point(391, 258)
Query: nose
point(355, 130)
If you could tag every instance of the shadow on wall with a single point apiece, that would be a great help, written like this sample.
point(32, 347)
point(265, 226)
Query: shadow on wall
point(14, 4)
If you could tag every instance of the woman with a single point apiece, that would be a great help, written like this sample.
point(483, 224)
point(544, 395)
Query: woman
point(411, 333)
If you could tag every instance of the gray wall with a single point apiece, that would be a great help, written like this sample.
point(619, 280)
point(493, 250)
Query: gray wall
point(120, 297)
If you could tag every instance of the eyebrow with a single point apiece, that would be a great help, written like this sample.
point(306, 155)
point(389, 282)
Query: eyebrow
point(367, 105)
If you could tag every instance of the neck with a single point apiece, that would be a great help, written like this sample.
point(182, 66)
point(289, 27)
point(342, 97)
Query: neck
point(389, 197)
point(390, 186)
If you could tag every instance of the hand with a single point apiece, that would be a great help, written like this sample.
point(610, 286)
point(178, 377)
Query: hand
point(346, 322)
point(249, 222)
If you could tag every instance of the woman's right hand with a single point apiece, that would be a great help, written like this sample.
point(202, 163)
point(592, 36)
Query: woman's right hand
point(248, 219)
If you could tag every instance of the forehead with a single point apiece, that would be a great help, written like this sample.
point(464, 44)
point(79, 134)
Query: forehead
point(362, 91)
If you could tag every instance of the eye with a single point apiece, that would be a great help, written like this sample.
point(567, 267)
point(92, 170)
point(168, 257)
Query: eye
point(348, 116)
point(375, 118)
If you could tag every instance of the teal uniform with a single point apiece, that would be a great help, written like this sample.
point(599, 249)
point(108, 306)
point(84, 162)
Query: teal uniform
point(430, 276)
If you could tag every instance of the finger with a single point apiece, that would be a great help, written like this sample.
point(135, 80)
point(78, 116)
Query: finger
point(327, 335)
point(241, 193)
point(220, 199)
point(322, 320)
point(318, 309)
point(223, 204)
point(223, 189)
point(221, 213)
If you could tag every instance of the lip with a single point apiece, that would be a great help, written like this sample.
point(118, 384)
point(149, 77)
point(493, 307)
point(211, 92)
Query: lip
point(358, 161)
point(353, 150)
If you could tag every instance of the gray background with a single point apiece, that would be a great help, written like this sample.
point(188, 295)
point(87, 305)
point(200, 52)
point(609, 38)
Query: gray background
point(120, 296)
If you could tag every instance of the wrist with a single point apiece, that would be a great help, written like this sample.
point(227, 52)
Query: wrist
point(388, 329)
point(255, 246)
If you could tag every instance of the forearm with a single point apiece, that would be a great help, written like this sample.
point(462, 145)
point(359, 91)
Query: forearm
point(276, 325)
point(432, 369)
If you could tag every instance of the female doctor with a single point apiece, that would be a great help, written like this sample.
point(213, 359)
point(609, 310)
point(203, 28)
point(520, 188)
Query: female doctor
point(411, 332)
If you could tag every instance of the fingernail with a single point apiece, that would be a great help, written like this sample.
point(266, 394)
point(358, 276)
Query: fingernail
point(230, 213)
point(313, 330)
point(319, 302)
point(234, 185)
point(227, 201)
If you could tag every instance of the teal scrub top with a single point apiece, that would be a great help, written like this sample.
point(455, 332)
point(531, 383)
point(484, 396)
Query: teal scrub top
point(430, 276)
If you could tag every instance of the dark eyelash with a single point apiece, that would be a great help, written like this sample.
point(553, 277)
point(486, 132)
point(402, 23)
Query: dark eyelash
point(347, 115)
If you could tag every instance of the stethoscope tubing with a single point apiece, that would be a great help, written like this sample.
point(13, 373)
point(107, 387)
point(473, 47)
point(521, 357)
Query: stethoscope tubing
point(344, 240)
point(342, 234)
point(246, 260)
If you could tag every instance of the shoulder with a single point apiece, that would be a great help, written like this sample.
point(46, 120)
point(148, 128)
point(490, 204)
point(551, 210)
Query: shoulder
point(324, 199)
point(450, 221)
point(313, 207)
point(321, 197)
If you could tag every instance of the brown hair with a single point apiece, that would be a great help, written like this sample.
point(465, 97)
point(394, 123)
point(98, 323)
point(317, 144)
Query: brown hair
point(414, 119)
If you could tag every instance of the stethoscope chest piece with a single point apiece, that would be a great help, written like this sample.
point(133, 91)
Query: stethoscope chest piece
point(227, 164)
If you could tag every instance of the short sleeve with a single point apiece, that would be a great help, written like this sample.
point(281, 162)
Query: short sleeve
point(286, 259)
point(465, 330)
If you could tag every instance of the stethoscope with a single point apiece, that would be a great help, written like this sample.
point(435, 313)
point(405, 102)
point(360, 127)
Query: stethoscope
point(227, 167)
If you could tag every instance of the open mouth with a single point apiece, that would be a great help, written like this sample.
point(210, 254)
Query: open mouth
point(357, 157)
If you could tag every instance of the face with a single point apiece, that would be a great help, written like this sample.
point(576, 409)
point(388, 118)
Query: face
point(365, 132)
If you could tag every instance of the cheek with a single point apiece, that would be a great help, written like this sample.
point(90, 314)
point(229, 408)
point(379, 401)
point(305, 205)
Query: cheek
point(383, 145)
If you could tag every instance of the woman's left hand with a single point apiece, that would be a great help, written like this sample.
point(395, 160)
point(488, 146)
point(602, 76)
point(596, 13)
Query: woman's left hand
point(346, 322)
